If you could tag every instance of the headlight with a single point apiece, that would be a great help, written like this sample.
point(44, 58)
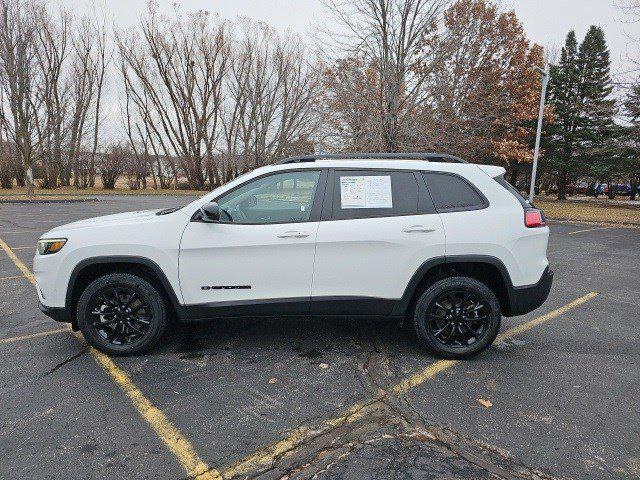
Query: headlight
point(48, 246)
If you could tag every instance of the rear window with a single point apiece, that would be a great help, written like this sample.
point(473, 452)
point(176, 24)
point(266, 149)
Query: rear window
point(513, 190)
point(452, 193)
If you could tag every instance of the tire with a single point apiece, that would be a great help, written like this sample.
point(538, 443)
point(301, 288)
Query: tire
point(121, 314)
point(456, 317)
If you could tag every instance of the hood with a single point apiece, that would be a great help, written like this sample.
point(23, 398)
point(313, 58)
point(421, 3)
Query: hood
point(108, 220)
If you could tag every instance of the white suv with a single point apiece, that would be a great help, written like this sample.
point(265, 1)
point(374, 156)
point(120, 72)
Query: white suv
point(448, 245)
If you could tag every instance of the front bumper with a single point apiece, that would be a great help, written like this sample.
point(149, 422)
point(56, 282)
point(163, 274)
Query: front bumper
point(526, 299)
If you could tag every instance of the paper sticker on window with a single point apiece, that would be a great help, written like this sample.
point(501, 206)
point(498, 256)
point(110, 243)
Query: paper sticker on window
point(366, 192)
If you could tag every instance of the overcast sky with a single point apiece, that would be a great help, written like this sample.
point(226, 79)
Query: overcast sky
point(545, 21)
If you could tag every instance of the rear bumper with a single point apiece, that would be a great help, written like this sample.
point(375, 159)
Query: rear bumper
point(59, 314)
point(526, 299)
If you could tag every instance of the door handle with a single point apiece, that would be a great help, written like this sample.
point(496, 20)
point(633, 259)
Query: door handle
point(293, 234)
point(418, 228)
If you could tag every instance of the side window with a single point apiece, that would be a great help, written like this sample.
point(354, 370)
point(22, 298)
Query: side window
point(451, 193)
point(278, 198)
point(373, 193)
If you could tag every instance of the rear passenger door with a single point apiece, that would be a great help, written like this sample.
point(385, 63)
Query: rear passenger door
point(376, 229)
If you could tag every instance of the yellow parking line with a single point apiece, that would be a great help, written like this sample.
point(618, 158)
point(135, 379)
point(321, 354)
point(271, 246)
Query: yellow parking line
point(13, 277)
point(589, 230)
point(523, 327)
point(21, 266)
point(33, 335)
point(267, 455)
point(177, 443)
point(166, 431)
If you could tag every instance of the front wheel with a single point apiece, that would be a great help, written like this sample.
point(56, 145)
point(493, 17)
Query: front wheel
point(457, 317)
point(121, 314)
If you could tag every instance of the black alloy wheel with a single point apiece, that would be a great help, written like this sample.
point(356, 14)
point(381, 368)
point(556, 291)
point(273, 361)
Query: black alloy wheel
point(121, 314)
point(456, 317)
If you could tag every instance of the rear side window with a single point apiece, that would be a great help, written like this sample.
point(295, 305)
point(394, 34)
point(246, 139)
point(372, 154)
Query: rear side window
point(373, 193)
point(452, 193)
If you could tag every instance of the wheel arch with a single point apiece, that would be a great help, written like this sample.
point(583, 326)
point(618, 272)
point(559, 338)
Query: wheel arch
point(485, 268)
point(89, 269)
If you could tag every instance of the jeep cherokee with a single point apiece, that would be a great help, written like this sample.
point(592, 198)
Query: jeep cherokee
point(445, 245)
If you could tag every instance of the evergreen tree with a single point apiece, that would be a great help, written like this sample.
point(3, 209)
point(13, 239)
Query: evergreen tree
point(564, 95)
point(583, 134)
point(631, 151)
point(597, 134)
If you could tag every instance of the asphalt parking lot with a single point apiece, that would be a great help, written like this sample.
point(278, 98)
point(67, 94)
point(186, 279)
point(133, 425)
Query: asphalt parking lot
point(341, 399)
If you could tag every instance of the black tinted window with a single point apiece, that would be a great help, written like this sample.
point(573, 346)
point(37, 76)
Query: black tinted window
point(374, 193)
point(452, 193)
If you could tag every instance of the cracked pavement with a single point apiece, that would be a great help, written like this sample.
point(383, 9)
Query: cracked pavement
point(563, 395)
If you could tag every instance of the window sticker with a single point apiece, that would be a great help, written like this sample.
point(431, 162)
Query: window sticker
point(365, 192)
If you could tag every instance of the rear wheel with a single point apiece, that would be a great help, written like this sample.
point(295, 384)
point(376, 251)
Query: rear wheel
point(457, 317)
point(121, 314)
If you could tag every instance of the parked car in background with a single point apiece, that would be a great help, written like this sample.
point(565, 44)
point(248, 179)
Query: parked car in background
point(623, 189)
point(578, 188)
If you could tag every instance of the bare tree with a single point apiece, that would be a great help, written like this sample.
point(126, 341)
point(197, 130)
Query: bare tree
point(273, 94)
point(461, 82)
point(234, 110)
point(51, 94)
point(173, 74)
point(88, 74)
point(112, 164)
point(17, 82)
point(68, 72)
point(212, 105)
point(386, 36)
point(100, 62)
point(7, 161)
point(143, 143)
point(136, 169)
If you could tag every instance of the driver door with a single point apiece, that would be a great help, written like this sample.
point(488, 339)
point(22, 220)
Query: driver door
point(258, 260)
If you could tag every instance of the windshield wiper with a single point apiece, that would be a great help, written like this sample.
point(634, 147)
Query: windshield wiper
point(169, 210)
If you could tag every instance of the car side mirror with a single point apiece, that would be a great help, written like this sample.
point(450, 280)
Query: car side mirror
point(210, 212)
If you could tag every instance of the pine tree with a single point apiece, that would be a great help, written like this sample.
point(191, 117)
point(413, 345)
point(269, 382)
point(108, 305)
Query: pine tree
point(583, 134)
point(631, 155)
point(564, 95)
point(597, 133)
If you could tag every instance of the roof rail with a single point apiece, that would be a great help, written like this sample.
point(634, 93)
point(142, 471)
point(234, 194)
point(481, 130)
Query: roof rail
point(430, 157)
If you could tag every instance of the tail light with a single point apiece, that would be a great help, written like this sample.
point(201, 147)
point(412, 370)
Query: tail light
point(534, 218)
